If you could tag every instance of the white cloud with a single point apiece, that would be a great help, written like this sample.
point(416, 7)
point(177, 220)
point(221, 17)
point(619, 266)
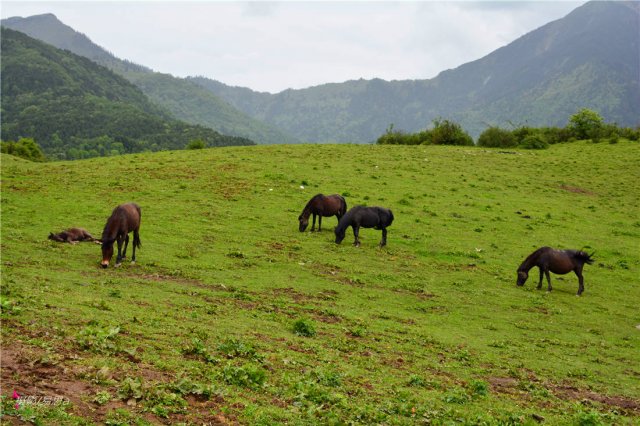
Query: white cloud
point(272, 46)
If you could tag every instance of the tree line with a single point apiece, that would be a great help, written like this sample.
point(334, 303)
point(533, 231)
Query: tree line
point(585, 124)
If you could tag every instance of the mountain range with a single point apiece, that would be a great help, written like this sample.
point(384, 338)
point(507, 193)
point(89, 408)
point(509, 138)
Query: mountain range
point(588, 59)
point(182, 98)
point(74, 108)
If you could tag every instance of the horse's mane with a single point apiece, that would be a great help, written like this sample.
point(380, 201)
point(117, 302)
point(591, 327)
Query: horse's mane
point(528, 262)
point(307, 209)
point(345, 221)
point(109, 228)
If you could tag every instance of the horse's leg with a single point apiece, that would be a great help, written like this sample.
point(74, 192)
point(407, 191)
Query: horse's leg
point(383, 242)
point(319, 223)
point(578, 272)
point(136, 237)
point(356, 230)
point(313, 226)
point(119, 258)
point(541, 276)
point(126, 244)
point(546, 272)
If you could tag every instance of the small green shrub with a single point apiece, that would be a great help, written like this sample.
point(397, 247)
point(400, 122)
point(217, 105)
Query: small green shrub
point(9, 307)
point(102, 397)
point(358, 331)
point(304, 327)
point(457, 396)
point(199, 350)
point(495, 137)
point(479, 388)
point(534, 141)
point(196, 144)
point(131, 388)
point(327, 378)
point(99, 340)
point(589, 418)
point(248, 376)
point(234, 348)
point(446, 132)
point(25, 148)
point(417, 381)
point(586, 124)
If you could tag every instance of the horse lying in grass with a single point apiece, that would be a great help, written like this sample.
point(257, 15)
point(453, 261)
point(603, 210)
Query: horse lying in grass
point(124, 219)
point(365, 217)
point(556, 261)
point(321, 205)
point(72, 236)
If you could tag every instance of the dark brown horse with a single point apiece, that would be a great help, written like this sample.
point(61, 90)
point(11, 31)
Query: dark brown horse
point(319, 205)
point(72, 235)
point(366, 217)
point(124, 219)
point(556, 261)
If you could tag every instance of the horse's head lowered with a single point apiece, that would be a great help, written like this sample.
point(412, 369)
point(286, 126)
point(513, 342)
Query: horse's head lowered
point(304, 222)
point(107, 253)
point(522, 278)
point(340, 233)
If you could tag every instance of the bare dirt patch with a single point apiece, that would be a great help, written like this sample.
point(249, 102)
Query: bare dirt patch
point(510, 386)
point(34, 372)
point(568, 392)
point(576, 190)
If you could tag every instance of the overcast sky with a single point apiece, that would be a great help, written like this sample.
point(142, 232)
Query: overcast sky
point(272, 46)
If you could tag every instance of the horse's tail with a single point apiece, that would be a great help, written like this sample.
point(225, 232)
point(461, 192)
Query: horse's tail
point(136, 240)
point(343, 208)
point(136, 235)
point(585, 257)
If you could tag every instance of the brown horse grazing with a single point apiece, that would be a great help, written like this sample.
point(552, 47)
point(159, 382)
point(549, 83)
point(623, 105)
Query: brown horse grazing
point(319, 205)
point(72, 236)
point(556, 261)
point(124, 219)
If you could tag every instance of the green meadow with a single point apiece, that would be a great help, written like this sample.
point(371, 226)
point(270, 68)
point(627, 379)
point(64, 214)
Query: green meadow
point(232, 316)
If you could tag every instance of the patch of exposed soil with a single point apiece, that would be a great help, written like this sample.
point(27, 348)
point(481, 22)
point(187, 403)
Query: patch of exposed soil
point(576, 190)
point(509, 385)
point(297, 296)
point(34, 372)
point(568, 392)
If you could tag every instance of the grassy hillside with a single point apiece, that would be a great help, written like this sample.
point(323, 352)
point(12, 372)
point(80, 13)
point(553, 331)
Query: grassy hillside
point(430, 329)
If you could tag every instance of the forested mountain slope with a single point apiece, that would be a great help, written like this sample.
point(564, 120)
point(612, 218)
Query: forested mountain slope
point(185, 100)
point(75, 108)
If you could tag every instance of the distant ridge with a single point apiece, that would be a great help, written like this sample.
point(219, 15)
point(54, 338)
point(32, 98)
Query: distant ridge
point(588, 59)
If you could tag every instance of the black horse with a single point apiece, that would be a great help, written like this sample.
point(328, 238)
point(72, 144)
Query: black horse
point(72, 236)
point(366, 217)
point(556, 261)
point(320, 205)
point(124, 219)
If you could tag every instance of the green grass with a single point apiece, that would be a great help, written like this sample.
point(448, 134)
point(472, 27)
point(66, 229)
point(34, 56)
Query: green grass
point(231, 314)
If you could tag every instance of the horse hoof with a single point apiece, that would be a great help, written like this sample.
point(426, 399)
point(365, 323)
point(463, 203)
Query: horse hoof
point(133, 262)
point(117, 265)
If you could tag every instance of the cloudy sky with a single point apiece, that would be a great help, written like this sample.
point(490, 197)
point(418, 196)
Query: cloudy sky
point(272, 46)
